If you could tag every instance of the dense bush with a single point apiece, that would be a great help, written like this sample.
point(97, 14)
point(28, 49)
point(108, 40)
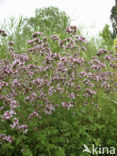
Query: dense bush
point(56, 96)
point(113, 18)
point(48, 20)
point(106, 36)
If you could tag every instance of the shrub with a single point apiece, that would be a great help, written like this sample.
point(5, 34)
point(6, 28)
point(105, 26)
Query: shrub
point(54, 97)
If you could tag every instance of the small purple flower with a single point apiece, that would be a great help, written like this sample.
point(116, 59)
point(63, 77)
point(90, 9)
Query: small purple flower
point(10, 43)
point(54, 37)
point(36, 34)
point(3, 33)
point(72, 96)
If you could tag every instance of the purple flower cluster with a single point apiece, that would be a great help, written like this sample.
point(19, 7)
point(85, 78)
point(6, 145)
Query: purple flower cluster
point(115, 47)
point(3, 137)
point(67, 43)
point(16, 125)
point(34, 114)
point(71, 29)
point(41, 80)
point(36, 34)
point(97, 64)
point(10, 44)
point(3, 33)
point(67, 105)
point(54, 37)
point(101, 51)
point(80, 39)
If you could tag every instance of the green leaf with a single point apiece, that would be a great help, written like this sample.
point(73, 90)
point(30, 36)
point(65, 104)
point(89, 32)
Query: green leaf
point(60, 152)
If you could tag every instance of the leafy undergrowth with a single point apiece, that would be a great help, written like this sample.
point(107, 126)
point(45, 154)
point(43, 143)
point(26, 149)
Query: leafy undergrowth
point(55, 97)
